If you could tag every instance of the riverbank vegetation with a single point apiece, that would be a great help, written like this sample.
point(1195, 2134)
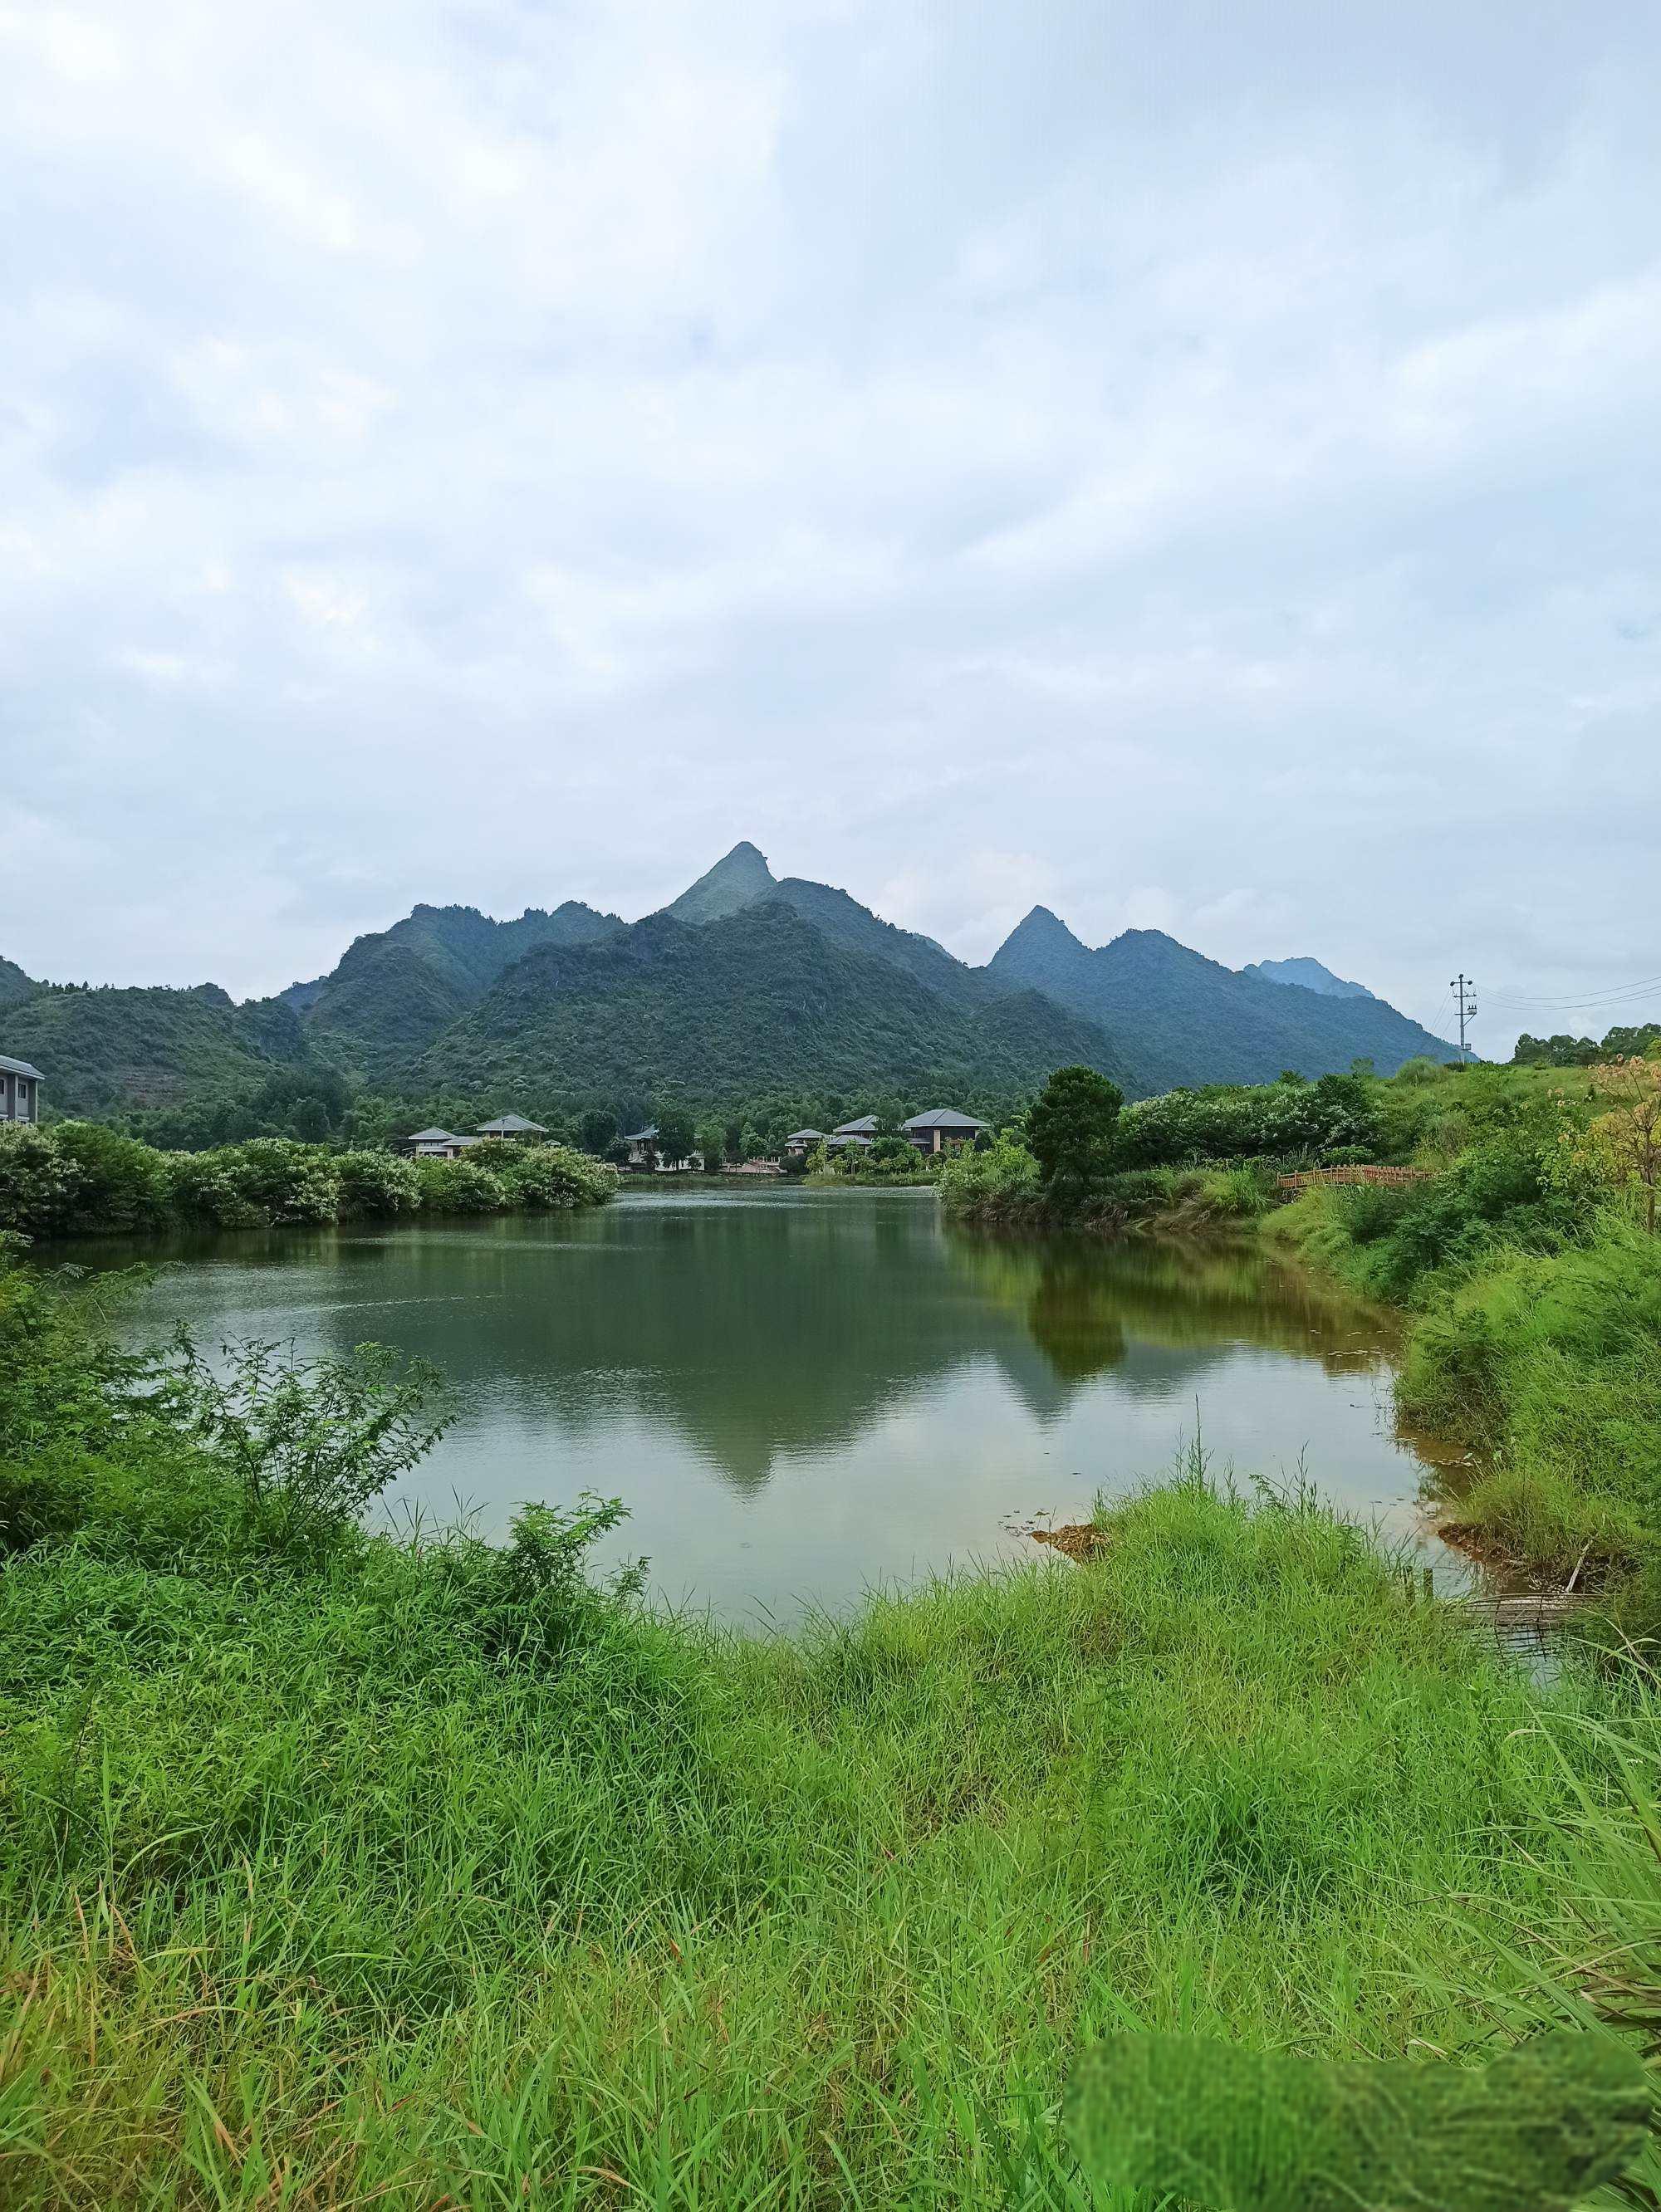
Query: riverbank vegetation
point(342, 1869)
point(1524, 1248)
point(72, 1178)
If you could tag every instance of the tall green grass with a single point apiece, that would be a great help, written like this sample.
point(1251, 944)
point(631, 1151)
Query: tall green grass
point(320, 1892)
point(1536, 1341)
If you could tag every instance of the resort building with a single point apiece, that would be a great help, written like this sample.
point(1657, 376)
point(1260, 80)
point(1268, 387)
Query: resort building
point(800, 1142)
point(942, 1129)
point(19, 1090)
point(439, 1145)
point(866, 1126)
point(511, 1124)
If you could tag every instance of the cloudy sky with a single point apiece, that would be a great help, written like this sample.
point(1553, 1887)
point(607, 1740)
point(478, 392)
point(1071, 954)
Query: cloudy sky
point(1194, 465)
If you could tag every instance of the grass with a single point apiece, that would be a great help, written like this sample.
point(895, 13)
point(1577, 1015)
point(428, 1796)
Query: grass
point(317, 1895)
point(1536, 1343)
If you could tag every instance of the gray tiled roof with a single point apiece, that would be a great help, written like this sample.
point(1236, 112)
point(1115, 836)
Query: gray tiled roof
point(944, 1117)
point(431, 1137)
point(19, 1068)
point(863, 1127)
point(511, 1124)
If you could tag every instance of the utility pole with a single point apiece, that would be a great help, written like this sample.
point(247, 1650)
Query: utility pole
point(1466, 990)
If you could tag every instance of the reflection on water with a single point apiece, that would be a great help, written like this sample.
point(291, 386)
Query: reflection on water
point(800, 1393)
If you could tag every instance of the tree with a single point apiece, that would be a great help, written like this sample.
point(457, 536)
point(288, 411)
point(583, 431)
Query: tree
point(712, 1147)
point(1631, 1129)
point(1070, 1130)
point(675, 1136)
point(596, 1131)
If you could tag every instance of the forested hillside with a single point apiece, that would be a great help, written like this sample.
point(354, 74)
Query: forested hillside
point(1179, 1018)
point(720, 1013)
point(396, 990)
point(114, 1051)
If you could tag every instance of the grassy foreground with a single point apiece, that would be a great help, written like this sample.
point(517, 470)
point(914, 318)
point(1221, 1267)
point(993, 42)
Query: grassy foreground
point(340, 1871)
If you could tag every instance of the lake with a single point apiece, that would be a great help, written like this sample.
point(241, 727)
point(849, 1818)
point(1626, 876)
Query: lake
point(799, 1394)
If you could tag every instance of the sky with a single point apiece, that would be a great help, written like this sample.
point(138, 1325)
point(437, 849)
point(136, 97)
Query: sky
point(1194, 466)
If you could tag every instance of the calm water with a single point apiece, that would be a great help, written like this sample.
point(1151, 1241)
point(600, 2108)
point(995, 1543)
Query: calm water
point(799, 1394)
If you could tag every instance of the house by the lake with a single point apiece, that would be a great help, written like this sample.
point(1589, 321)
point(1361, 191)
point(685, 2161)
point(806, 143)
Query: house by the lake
point(800, 1142)
point(857, 1136)
point(511, 1124)
point(19, 1090)
point(941, 1129)
point(439, 1145)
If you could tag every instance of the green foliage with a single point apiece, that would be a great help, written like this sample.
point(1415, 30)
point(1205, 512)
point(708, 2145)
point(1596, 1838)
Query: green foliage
point(1070, 1131)
point(676, 1134)
point(1277, 1121)
point(375, 1186)
point(458, 1187)
point(305, 1445)
point(74, 1176)
point(1003, 1182)
point(1537, 2130)
point(1622, 1042)
point(596, 1131)
point(110, 1050)
point(1537, 1336)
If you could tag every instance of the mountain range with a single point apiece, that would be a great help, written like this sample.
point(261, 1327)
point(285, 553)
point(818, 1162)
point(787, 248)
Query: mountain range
point(746, 985)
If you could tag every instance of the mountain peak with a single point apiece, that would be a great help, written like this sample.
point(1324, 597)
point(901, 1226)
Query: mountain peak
point(1041, 924)
point(737, 880)
point(1309, 974)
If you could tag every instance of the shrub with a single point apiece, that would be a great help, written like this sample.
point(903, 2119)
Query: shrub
point(37, 1184)
point(117, 1183)
point(283, 1180)
point(458, 1187)
point(1003, 1180)
point(306, 1444)
point(374, 1185)
point(547, 1176)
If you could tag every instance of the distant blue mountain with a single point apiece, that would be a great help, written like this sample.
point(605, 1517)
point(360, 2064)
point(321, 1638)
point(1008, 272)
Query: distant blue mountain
point(1309, 976)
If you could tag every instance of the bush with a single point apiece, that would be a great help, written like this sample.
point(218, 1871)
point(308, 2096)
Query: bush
point(376, 1185)
point(546, 1176)
point(36, 1186)
point(458, 1187)
point(283, 1180)
point(117, 1183)
point(1002, 1182)
point(1272, 1120)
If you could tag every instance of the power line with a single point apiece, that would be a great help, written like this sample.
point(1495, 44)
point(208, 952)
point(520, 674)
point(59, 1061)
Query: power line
point(1629, 995)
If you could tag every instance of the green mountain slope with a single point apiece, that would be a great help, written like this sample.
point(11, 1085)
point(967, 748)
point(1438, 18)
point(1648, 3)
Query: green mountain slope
point(744, 878)
point(112, 1051)
point(395, 990)
point(735, 882)
point(14, 986)
point(1180, 1019)
point(718, 1014)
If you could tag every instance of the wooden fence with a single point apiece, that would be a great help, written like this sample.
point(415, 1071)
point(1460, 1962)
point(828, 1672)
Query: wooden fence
point(1308, 1178)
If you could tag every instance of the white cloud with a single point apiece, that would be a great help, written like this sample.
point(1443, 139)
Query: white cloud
point(1175, 468)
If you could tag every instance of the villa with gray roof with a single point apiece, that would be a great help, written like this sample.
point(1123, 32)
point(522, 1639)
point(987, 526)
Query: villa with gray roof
point(942, 1129)
point(511, 1124)
point(19, 1090)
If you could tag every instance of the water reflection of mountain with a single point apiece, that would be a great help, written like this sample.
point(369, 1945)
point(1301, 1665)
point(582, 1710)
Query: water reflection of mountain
point(761, 1329)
